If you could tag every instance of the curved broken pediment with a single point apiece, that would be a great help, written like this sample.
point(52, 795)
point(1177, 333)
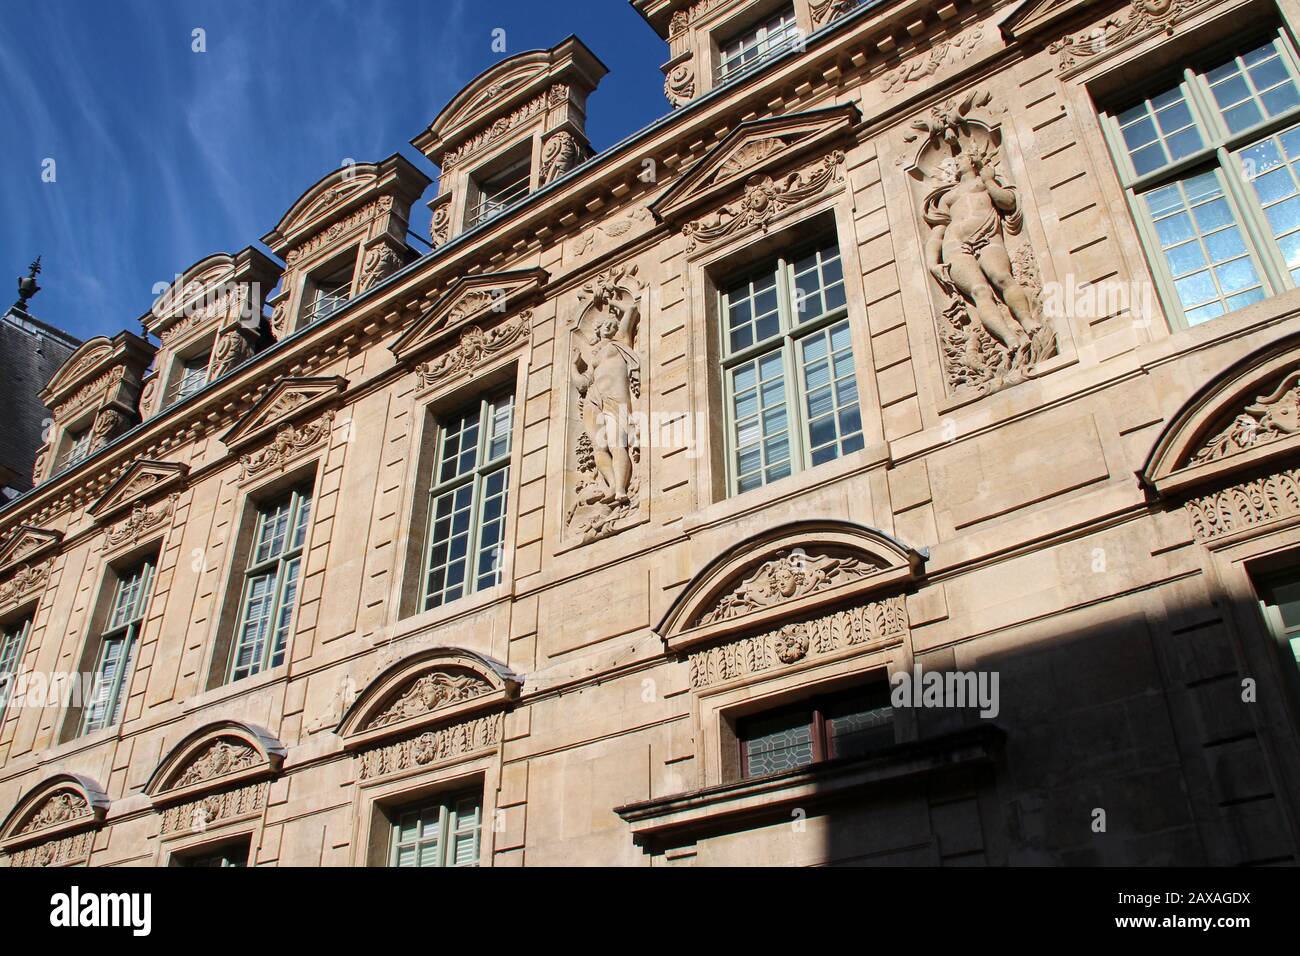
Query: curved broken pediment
point(438, 685)
point(60, 805)
point(784, 571)
point(1246, 416)
point(216, 755)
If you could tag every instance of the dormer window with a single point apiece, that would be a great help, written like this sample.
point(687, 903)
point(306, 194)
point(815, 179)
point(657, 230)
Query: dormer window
point(327, 292)
point(494, 193)
point(767, 38)
point(189, 375)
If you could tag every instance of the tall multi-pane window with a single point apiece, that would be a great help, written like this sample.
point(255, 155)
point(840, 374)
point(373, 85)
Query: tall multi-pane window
point(764, 39)
point(467, 506)
point(13, 638)
point(444, 832)
point(791, 390)
point(1211, 164)
point(270, 584)
point(850, 724)
point(188, 377)
point(117, 647)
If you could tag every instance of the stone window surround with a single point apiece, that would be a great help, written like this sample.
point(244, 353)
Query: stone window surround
point(375, 804)
point(425, 410)
point(69, 719)
point(202, 343)
point(704, 279)
point(221, 630)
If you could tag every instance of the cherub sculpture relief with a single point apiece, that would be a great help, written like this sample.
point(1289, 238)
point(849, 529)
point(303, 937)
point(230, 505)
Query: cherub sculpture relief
point(607, 378)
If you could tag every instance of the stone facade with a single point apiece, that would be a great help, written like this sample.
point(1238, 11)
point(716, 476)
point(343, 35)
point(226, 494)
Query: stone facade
point(1082, 503)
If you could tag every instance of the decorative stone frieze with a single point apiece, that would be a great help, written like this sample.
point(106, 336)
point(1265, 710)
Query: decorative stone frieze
point(875, 623)
point(1270, 417)
point(64, 851)
point(1241, 507)
point(24, 581)
point(290, 442)
point(1141, 19)
point(215, 809)
point(435, 746)
point(140, 522)
point(25, 543)
point(54, 823)
point(428, 693)
point(945, 53)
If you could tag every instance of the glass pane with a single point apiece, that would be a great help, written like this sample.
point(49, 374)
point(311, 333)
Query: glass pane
point(1203, 246)
point(1159, 131)
point(772, 744)
point(1252, 87)
point(1272, 166)
point(492, 528)
point(759, 419)
point(259, 601)
point(752, 314)
point(859, 723)
point(818, 284)
point(831, 395)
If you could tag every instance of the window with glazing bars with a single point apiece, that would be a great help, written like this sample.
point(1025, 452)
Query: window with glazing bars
point(270, 584)
point(117, 647)
point(329, 293)
point(13, 637)
point(498, 193)
point(765, 38)
point(441, 833)
point(189, 376)
point(791, 390)
point(1211, 165)
point(1280, 600)
point(232, 855)
point(850, 724)
point(467, 501)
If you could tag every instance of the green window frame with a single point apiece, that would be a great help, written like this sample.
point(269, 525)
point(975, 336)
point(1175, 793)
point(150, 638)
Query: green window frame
point(115, 659)
point(790, 390)
point(13, 641)
point(742, 51)
point(1279, 599)
point(468, 497)
point(1210, 165)
point(270, 589)
point(443, 832)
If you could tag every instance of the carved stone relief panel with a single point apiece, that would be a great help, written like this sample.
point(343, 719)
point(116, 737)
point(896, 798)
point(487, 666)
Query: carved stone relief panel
point(433, 746)
point(984, 275)
point(604, 467)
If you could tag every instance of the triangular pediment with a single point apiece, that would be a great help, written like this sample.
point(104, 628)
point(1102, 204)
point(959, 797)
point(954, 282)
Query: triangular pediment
point(143, 478)
point(26, 543)
point(288, 400)
point(466, 300)
point(753, 147)
point(1034, 15)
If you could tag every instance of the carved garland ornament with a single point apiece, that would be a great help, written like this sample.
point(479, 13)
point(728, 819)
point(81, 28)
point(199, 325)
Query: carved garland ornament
point(787, 577)
point(140, 522)
point(992, 330)
point(431, 692)
point(949, 51)
point(62, 807)
point(1142, 18)
point(222, 757)
point(25, 580)
point(1270, 417)
point(790, 643)
point(290, 441)
point(606, 371)
point(764, 199)
point(474, 348)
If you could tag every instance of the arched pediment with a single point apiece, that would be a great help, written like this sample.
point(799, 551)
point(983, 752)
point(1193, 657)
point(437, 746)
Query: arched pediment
point(437, 685)
point(492, 88)
point(55, 807)
point(193, 281)
point(327, 196)
point(1244, 417)
point(787, 570)
point(220, 754)
point(89, 356)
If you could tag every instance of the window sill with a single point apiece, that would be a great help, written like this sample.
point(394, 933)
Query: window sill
point(680, 817)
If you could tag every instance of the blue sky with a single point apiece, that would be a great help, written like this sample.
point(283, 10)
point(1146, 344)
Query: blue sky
point(163, 155)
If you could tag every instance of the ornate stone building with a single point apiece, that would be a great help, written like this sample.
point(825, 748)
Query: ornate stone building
point(957, 338)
